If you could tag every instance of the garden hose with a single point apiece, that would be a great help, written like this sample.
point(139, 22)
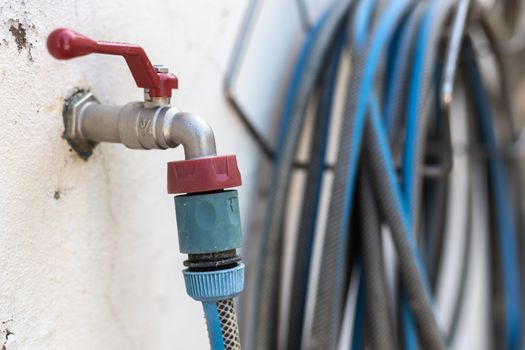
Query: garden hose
point(393, 176)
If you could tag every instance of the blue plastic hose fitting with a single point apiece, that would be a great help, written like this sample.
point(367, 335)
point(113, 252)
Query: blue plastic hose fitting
point(210, 286)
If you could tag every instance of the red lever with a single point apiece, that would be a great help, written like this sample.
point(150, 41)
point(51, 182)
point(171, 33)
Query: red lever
point(65, 44)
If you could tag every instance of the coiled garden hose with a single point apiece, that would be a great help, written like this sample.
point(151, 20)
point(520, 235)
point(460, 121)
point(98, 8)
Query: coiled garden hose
point(392, 175)
point(266, 271)
point(504, 214)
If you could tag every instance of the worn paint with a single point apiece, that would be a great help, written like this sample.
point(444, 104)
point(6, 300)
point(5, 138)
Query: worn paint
point(19, 32)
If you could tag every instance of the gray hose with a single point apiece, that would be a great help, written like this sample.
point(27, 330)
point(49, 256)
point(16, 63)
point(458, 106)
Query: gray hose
point(221, 320)
point(311, 198)
point(264, 306)
point(380, 331)
point(419, 297)
point(331, 288)
point(229, 328)
point(465, 265)
point(442, 12)
point(490, 31)
point(401, 75)
point(426, 322)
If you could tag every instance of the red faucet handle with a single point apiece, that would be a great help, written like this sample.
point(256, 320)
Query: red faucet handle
point(65, 44)
point(203, 174)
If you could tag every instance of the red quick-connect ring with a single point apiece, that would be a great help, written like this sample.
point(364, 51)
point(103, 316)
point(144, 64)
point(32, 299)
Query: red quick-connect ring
point(203, 174)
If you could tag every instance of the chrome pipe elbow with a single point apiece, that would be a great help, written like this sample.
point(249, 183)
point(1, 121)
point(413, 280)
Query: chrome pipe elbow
point(194, 134)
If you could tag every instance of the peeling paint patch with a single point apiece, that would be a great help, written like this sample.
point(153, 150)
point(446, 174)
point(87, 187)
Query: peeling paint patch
point(19, 32)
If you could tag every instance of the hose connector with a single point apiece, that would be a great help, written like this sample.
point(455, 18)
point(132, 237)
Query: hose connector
point(212, 286)
point(209, 229)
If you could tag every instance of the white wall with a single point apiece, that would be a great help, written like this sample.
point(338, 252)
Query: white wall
point(88, 250)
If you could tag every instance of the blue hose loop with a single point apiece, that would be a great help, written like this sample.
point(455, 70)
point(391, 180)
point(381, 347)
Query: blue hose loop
point(505, 220)
point(414, 100)
point(327, 112)
point(366, 100)
point(359, 315)
point(409, 161)
point(386, 26)
point(361, 21)
point(211, 286)
point(394, 70)
point(391, 64)
point(295, 82)
point(214, 325)
point(293, 91)
point(391, 175)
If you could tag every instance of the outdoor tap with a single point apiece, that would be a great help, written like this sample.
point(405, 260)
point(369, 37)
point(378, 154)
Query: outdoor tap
point(151, 124)
point(136, 125)
point(208, 218)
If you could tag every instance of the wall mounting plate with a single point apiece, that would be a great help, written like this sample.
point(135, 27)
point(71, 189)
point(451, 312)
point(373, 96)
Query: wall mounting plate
point(72, 105)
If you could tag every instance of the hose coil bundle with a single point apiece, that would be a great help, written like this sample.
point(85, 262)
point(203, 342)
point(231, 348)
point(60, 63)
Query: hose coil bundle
point(393, 176)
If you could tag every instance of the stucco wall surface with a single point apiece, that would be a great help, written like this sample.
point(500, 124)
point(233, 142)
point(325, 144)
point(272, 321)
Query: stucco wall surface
point(88, 250)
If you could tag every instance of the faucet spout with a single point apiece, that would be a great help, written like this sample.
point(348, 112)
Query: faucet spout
point(135, 125)
point(194, 134)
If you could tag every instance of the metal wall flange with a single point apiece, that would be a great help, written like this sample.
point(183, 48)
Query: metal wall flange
point(72, 108)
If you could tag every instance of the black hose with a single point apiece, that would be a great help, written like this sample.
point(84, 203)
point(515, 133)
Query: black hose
point(380, 330)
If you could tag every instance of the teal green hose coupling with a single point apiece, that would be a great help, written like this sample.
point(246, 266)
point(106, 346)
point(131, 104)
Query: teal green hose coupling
point(208, 223)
